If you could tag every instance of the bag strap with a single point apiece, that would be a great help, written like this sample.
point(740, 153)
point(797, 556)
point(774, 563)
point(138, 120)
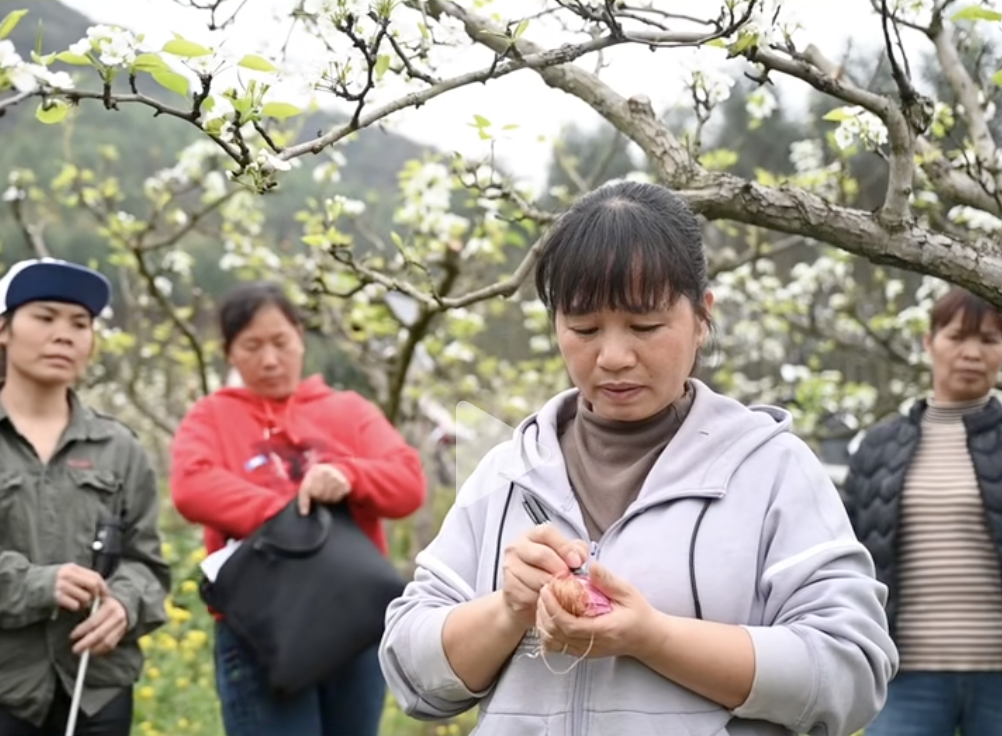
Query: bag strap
point(323, 515)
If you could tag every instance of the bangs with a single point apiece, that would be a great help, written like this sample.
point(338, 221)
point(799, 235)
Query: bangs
point(973, 311)
point(619, 257)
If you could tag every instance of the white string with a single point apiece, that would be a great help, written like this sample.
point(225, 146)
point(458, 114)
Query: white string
point(540, 651)
point(575, 663)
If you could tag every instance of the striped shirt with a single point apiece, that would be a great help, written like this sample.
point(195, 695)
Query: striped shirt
point(950, 587)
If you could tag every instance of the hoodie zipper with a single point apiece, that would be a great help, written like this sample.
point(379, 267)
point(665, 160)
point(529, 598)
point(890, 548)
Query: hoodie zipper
point(579, 687)
point(581, 672)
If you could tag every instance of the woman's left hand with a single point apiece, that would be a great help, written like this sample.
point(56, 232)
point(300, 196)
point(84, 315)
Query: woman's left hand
point(624, 631)
point(102, 631)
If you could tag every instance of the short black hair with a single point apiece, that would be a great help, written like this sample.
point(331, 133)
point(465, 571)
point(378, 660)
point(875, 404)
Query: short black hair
point(628, 245)
point(973, 308)
point(241, 304)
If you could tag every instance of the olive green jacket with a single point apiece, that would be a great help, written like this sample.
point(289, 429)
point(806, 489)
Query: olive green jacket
point(48, 517)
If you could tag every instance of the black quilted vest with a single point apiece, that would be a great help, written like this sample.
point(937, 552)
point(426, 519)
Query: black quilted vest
point(876, 479)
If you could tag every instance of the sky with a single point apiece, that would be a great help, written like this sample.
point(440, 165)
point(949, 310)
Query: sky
point(521, 99)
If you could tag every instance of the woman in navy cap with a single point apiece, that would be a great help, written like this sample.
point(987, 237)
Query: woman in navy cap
point(65, 469)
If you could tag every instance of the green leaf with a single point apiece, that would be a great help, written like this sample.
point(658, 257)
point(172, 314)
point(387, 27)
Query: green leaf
point(150, 63)
point(214, 126)
point(257, 63)
point(745, 40)
point(997, 77)
point(172, 81)
point(480, 121)
point(242, 105)
point(837, 115)
point(52, 113)
point(280, 110)
point(520, 28)
point(315, 241)
point(37, 51)
point(718, 43)
point(182, 47)
point(68, 57)
point(382, 65)
point(10, 21)
point(975, 12)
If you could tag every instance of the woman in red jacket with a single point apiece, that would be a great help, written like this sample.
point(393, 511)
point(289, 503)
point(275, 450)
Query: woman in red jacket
point(243, 453)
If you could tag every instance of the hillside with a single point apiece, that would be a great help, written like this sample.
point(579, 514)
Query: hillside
point(374, 157)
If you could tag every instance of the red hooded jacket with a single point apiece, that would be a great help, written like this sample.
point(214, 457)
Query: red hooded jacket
point(237, 459)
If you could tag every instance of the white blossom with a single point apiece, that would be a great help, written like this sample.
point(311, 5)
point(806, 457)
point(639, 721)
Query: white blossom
point(163, 285)
point(711, 85)
point(25, 77)
point(540, 343)
point(344, 205)
point(459, 351)
point(862, 125)
point(975, 219)
point(266, 158)
point(178, 261)
point(13, 194)
point(9, 57)
point(807, 155)
point(761, 104)
point(113, 46)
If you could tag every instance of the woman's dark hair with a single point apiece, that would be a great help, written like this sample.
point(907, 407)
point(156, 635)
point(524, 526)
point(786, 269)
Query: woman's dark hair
point(242, 303)
point(627, 245)
point(5, 321)
point(960, 301)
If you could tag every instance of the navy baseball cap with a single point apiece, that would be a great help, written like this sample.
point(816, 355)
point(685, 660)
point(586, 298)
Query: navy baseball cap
point(52, 280)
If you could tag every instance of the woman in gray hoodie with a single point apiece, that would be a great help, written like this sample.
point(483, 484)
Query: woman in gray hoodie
point(729, 595)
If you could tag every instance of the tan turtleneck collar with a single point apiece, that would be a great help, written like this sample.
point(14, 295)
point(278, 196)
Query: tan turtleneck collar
point(608, 460)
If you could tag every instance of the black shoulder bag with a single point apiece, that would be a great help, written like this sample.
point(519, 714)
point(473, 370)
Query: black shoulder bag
point(306, 593)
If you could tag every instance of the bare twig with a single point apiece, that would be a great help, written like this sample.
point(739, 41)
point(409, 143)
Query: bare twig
point(33, 232)
point(13, 100)
point(186, 330)
point(416, 334)
point(194, 220)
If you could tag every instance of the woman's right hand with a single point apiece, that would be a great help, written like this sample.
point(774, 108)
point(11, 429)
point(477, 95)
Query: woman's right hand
point(77, 587)
point(533, 560)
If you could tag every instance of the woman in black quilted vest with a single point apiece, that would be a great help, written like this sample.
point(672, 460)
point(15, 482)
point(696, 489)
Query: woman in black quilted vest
point(924, 493)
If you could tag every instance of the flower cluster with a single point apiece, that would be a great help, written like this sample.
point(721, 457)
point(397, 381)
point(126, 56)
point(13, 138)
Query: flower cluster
point(28, 77)
point(110, 45)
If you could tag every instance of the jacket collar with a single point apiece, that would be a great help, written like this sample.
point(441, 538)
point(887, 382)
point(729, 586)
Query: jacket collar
point(976, 422)
point(85, 423)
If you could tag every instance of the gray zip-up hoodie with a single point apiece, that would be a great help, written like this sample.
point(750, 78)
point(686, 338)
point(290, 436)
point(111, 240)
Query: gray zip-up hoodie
point(774, 552)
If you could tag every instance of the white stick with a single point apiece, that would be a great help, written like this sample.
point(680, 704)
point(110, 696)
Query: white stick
point(71, 724)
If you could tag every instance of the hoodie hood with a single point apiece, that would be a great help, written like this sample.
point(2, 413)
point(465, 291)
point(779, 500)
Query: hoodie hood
point(718, 435)
point(269, 413)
